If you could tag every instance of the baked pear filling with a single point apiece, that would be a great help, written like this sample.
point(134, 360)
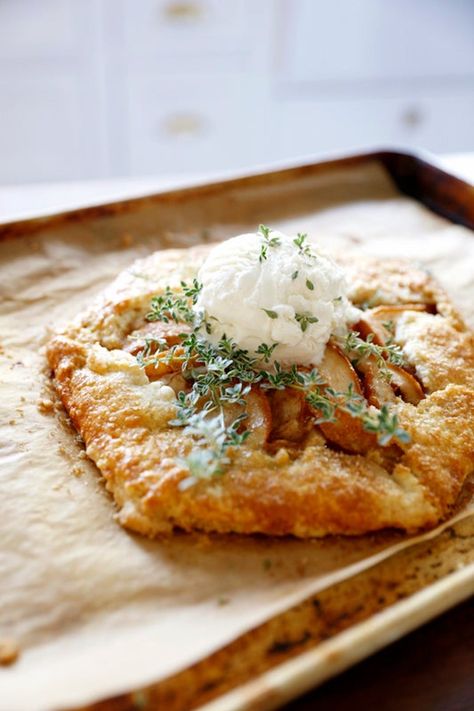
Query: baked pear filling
point(260, 386)
point(264, 347)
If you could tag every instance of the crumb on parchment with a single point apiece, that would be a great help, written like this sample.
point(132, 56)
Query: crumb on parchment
point(45, 406)
point(9, 651)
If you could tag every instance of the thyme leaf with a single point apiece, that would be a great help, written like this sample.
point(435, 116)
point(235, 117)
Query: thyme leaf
point(175, 306)
point(268, 241)
point(266, 351)
point(389, 326)
point(304, 320)
point(221, 375)
point(358, 349)
point(303, 248)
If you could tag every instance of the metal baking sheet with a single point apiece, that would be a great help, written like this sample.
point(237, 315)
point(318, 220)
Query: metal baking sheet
point(292, 648)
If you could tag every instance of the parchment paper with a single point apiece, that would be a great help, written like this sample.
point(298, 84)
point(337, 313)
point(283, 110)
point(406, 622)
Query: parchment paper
point(94, 609)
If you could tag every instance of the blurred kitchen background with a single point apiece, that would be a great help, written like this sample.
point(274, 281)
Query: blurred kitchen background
point(93, 89)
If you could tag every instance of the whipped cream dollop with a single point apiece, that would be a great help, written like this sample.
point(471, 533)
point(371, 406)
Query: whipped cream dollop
point(271, 288)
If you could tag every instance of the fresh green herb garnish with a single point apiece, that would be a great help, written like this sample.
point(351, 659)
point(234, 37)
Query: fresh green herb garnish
point(152, 346)
point(358, 349)
point(266, 351)
point(295, 275)
point(268, 242)
point(385, 425)
point(175, 306)
point(221, 375)
point(264, 231)
point(303, 248)
point(213, 438)
point(309, 285)
point(382, 423)
point(304, 320)
point(389, 326)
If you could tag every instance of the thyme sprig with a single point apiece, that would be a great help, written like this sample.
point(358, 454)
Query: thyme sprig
point(213, 438)
point(390, 327)
point(381, 423)
point(175, 306)
point(268, 242)
point(358, 349)
point(304, 320)
point(385, 425)
point(303, 247)
point(222, 375)
point(266, 351)
point(153, 345)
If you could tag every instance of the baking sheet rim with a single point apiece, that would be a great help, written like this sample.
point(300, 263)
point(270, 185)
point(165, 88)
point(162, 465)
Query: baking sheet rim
point(178, 184)
point(310, 669)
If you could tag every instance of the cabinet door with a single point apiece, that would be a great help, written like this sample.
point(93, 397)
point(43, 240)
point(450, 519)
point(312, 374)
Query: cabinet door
point(52, 115)
point(375, 40)
point(193, 124)
point(440, 123)
point(32, 30)
point(48, 131)
point(194, 27)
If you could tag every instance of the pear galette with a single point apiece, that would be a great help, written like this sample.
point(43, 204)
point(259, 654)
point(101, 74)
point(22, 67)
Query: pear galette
point(379, 434)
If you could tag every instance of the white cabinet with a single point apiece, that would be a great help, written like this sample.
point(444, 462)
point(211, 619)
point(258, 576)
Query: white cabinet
point(443, 123)
point(46, 134)
point(194, 123)
point(43, 31)
point(182, 28)
point(52, 111)
point(95, 88)
point(363, 41)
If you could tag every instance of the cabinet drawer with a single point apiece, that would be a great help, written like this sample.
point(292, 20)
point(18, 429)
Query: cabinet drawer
point(31, 30)
point(440, 123)
point(193, 124)
point(375, 40)
point(185, 27)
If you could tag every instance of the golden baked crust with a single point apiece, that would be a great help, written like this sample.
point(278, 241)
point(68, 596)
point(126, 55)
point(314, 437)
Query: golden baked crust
point(312, 490)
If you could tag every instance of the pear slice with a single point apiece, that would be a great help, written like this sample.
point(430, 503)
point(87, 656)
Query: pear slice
point(347, 432)
point(167, 332)
point(289, 415)
point(369, 325)
point(374, 320)
point(160, 330)
point(337, 370)
point(259, 416)
point(404, 383)
point(164, 364)
point(380, 391)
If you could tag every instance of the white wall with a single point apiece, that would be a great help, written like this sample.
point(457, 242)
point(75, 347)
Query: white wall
point(99, 88)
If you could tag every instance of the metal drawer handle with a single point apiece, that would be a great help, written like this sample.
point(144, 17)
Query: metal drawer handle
point(413, 117)
point(183, 11)
point(184, 125)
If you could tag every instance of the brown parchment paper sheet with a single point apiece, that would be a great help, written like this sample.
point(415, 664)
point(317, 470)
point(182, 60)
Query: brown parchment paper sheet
point(94, 609)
